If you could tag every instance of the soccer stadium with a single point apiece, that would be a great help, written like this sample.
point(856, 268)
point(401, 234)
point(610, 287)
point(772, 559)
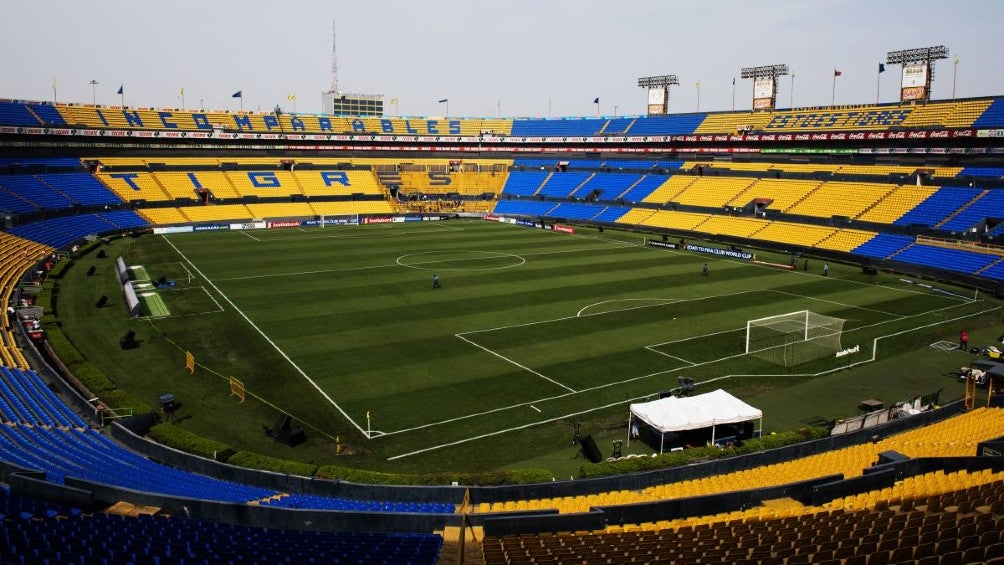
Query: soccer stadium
point(766, 335)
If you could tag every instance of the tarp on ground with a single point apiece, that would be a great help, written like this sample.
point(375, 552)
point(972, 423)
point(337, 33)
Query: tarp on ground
point(672, 414)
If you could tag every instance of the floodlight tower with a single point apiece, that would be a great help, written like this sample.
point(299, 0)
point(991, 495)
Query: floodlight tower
point(918, 70)
point(764, 84)
point(658, 92)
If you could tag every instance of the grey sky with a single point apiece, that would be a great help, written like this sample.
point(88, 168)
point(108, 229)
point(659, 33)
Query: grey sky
point(475, 53)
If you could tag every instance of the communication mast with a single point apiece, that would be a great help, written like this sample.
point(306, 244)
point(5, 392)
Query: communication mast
point(339, 103)
point(334, 60)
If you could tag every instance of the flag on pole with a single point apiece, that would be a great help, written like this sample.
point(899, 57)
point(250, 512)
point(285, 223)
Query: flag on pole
point(291, 97)
point(393, 100)
point(54, 83)
point(444, 100)
point(596, 100)
point(181, 92)
point(697, 84)
point(237, 94)
point(121, 87)
point(956, 60)
point(837, 73)
point(733, 81)
point(881, 68)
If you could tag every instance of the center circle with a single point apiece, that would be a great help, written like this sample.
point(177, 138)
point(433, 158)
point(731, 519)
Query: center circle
point(453, 260)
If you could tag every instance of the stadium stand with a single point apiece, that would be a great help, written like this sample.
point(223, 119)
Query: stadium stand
point(956, 436)
point(59, 232)
point(561, 185)
point(35, 192)
point(939, 206)
point(778, 195)
point(524, 183)
point(896, 203)
point(993, 116)
point(840, 199)
point(988, 204)
point(38, 532)
point(996, 173)
point(42, 433)
point(980, 113)
point(948, 259)
point(926, 529)
point(883, 245)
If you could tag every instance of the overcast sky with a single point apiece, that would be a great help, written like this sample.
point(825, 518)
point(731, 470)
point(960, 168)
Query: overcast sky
point(536, 56)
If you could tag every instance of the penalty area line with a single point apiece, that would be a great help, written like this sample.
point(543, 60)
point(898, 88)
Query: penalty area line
point(524, 367)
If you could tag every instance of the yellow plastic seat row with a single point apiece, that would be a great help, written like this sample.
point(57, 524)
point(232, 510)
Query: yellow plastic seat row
point(956, 436)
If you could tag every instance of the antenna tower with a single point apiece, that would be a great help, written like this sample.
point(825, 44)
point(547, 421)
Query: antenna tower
point(334, 61)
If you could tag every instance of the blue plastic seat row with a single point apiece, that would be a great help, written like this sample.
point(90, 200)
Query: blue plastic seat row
point(344, 504)
point(58, 232)
point(41, 537)
point(948, 259)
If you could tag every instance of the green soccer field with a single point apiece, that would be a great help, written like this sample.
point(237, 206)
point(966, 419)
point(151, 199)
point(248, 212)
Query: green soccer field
point(531, 331)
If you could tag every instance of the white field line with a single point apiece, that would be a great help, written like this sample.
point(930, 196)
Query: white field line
point(267, 338)
point(658, 373)
point(245, 233)
point(580, 315)
point(363, 235)
point(890, 314)
point(663, 353)
point(871, 359)
point(508, 360)
point(315, 272)
point(660, 301)
point(184, 266)
point(368, 267)
point(725, 259)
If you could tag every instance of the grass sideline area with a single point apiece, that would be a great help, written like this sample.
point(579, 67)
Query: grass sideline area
point(531, 331)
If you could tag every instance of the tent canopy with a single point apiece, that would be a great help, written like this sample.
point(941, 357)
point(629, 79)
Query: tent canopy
point(672, 414)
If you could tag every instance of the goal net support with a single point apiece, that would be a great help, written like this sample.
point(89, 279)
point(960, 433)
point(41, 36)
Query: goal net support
point(795, 338)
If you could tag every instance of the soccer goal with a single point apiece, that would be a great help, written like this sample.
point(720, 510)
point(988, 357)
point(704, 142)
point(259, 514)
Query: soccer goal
point(795, 338)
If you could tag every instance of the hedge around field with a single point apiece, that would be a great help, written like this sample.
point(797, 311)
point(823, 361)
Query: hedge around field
point(61, 346)
point(517, 476)
point(252, 460)
point(184, 440)
point(699, 454)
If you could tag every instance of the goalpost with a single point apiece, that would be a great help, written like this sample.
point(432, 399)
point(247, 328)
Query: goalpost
point(794, 338)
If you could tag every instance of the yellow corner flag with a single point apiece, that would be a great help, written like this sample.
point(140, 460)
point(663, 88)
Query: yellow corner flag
point(291, 97)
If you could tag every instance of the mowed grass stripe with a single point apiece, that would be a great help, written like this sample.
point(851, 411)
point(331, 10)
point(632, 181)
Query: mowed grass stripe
point(381, 339)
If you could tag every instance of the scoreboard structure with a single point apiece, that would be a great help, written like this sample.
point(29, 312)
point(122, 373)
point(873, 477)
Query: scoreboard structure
point(658, 92)
point(918, 71)
point(764, 84)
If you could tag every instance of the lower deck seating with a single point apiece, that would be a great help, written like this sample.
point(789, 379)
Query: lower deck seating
point(948, 259)
point(34, 531)
point(883, 245)
point(61, 231)
point(39, 432)
point(947, 527)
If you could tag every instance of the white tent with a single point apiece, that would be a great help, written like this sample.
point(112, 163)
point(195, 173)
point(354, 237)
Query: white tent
point(672, 414)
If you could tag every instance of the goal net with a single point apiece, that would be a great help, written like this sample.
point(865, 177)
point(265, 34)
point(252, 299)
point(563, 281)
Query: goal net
point(795, 338)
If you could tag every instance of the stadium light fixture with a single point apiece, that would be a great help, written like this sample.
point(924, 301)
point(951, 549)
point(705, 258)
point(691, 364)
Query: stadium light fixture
point(917, 56)
point(764, 71)
point(761, 101)
point(659, 104)
point(657, 81)
point(917, 61)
